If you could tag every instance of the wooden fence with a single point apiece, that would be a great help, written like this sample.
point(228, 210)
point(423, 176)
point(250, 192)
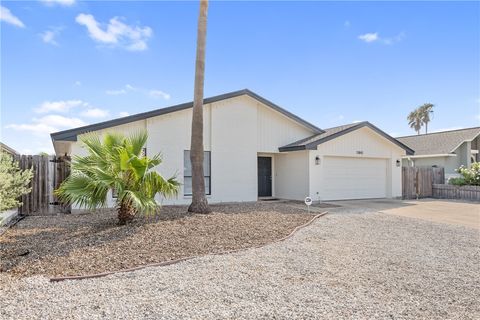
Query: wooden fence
point(447, 191)
point(417, 182)
point(48, 174)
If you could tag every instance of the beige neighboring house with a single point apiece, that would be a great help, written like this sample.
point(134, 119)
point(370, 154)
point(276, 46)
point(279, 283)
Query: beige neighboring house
point(7, 149)
point(448, 149)
point(254, 149)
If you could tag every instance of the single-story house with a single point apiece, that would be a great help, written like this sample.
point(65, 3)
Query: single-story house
point(254, 149)
point(448, 149)
point(8, 150)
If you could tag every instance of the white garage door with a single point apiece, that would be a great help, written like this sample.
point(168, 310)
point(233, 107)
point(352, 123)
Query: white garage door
point(354, 178)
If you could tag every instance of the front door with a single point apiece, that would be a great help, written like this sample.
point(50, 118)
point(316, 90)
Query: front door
point(264, 176)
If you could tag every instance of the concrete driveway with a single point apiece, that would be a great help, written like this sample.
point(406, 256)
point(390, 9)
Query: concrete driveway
point(465, 214)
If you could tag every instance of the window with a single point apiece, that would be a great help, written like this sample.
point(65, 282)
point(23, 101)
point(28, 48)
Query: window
point(187, 173)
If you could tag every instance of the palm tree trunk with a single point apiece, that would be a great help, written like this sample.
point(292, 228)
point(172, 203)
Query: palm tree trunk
point(126, 212)
point(426, 127)
point(199, 201)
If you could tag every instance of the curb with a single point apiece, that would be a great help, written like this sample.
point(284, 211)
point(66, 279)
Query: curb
point(170, 262)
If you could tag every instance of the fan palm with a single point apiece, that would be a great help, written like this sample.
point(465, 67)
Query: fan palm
point(415, 120)
point(116, 164)
point(425, 110)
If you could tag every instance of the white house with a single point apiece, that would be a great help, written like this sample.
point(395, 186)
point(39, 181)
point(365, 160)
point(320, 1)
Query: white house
point(254, 148)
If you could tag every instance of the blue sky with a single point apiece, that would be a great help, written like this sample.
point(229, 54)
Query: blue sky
point(68, 63)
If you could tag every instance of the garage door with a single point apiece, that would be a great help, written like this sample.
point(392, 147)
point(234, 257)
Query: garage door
point(354, 178)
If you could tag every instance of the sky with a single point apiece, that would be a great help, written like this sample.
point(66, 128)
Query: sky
point(69, 63)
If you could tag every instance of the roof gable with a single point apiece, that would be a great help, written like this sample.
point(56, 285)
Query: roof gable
point(444, 142)
point(71, 135)
point(312, 142)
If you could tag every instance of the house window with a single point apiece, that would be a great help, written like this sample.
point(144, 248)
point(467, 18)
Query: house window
point(187, 173)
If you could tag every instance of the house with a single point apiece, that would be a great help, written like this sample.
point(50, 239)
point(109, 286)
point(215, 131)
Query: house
point(8, 150)
point(254, 148)
point(448, 149)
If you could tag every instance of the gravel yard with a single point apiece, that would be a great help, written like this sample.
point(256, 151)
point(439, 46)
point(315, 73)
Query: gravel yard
point(343, 266)
point(94, 243)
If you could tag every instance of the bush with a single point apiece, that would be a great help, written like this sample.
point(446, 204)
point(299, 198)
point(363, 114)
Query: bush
point(469, 177)
point(13, 182)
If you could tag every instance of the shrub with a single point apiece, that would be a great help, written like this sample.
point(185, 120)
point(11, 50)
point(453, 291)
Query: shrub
point(116, 164)
point(469, 177)
point(13, 182)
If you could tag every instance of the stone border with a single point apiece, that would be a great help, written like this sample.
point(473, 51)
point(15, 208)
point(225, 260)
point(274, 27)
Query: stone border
point(170, 262)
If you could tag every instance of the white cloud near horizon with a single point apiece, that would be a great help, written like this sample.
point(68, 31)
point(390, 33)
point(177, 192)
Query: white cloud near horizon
point(116, 33)
point(7, 16)
point(95, 113)
point(59, 106)
point(154, 93)
point(48, 124)
point(123, 114)
point(64, 3)
point(159, 94)
point(374, 37)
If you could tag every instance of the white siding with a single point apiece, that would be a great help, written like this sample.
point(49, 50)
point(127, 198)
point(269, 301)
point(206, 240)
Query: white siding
point(371, 144)
point(291, 175)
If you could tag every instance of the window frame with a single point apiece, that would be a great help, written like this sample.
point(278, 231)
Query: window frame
point(209, 191)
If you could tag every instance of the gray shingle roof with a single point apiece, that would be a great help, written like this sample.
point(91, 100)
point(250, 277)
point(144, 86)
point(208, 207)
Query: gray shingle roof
point(312, 142)
point(71, 134)
point(439, 142)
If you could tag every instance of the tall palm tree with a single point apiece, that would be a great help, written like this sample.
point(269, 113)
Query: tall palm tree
point(415, 120)
point(116, 164)
point(199, 200)
point(425, 110)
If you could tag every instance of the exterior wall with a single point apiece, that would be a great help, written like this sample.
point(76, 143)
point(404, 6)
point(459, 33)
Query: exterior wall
point(372, 144)
point(292, 175)
point(236, 131)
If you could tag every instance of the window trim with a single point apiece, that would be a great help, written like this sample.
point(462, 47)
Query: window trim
point(209, 191)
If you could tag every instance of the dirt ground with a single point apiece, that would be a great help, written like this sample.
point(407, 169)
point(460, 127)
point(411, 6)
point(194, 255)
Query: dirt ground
point(81, 244)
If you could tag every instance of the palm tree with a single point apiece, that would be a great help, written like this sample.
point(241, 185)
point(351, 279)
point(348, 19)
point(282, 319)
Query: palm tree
point(425, 110)
point(116, 164)
point(415, 121)
point(199, 201)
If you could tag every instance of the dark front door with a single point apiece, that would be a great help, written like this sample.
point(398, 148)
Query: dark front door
point(264, 176)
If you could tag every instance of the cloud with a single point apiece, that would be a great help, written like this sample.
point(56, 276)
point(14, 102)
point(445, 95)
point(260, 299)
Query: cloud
point(368, 37)
point(7, 16)
point(357, 121)
point(59, 106)
point(123, 114)
point(47, 124)
point(154, 93)
point(116, 92)
point(159, 94)
point(77, 83)
point(48, 36)
point(64, 3)
point(374, 37)
point(95, 113)
point(347, 24)
point(116, 33)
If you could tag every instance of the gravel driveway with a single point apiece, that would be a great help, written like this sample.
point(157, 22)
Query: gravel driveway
point(350, 265)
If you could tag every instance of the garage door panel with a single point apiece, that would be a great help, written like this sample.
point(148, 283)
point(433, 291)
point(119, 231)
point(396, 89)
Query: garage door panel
point(354, 178)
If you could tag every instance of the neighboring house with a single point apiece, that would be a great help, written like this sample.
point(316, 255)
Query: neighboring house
point(250, 152)
point(7, 149)
point(448, 149)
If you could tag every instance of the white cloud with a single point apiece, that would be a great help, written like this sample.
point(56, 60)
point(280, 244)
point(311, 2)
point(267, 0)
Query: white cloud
point(95, 113)
point(116, 92)
point(123, 114)
point(7, 16)
point(48, 36)
point(59, 106)
point(357, 121)
point(368, 37)
point(64, 3)
point(47, 124)
point(374, 37)
point(116, 33)
point(159, 94)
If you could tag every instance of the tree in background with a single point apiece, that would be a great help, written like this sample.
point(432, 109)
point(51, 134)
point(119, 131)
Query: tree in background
point(425, 110)
point(13, 182)
point(415, 121)
point(116, 165)
point(199, 200)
